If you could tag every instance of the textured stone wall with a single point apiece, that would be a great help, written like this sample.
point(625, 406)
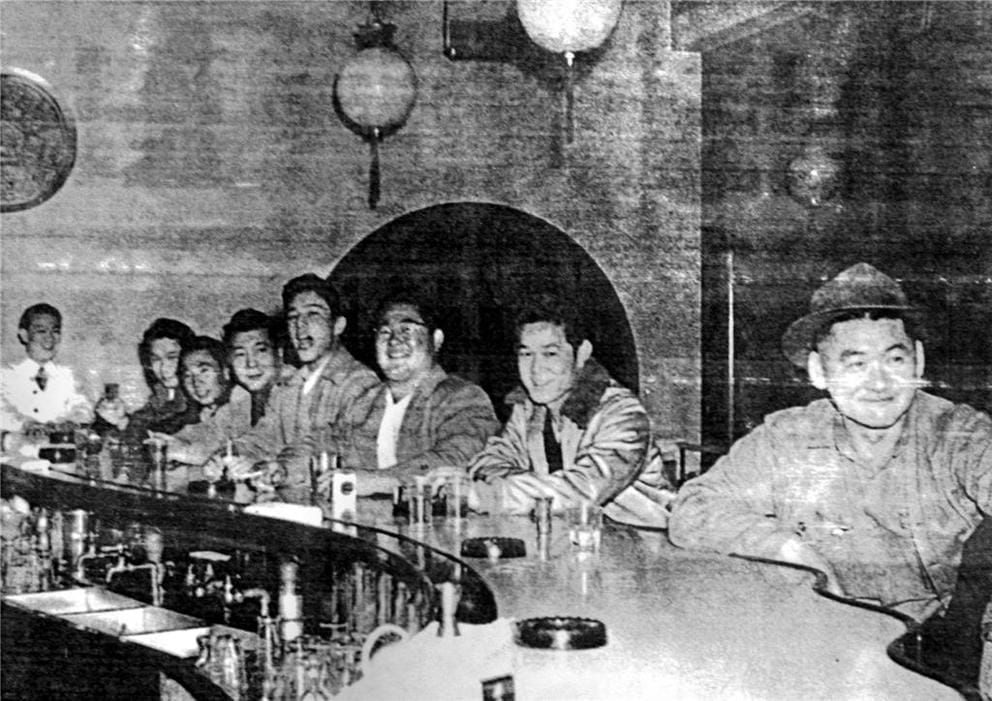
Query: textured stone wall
point(212, 168)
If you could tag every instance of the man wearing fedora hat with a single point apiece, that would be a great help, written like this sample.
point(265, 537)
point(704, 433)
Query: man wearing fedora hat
point(877, 485)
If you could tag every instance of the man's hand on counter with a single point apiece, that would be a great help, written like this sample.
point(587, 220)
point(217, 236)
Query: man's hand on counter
point(238, 467)
point(177, 450)
point(113, 411)
point(797, 552)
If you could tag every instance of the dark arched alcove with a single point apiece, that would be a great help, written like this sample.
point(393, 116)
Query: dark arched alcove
point(476, 261)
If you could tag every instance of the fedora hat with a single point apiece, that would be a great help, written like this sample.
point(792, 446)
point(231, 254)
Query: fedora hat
point(861, 287)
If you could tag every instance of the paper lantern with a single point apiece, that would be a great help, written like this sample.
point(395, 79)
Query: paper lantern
point(567, 27)
point(376, 91)
point(563, 26)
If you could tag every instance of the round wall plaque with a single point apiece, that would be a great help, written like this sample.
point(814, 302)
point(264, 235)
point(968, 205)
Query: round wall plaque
point(37, 141)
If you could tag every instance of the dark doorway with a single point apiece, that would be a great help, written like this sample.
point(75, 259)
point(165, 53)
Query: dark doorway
point(476, 262)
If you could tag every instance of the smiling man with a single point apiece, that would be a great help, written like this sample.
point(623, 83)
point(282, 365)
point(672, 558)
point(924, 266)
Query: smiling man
point(314, 398)
point(421, 418)
point(574, 433)
point(252, 352)
point(205, 376)
point(37, 390)
point(878, 485)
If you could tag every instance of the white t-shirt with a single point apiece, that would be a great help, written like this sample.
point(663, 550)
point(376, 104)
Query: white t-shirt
point(389, 429)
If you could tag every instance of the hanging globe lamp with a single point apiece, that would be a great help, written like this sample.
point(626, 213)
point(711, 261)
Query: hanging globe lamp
point(375, 92)
point(568, 27)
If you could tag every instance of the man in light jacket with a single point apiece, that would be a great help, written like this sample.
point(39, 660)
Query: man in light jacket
point(574, 433)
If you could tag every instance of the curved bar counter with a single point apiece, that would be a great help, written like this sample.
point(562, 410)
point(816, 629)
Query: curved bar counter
point(679, 624)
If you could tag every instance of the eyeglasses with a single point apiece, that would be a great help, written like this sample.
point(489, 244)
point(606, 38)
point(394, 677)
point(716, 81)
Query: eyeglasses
point(405, 331)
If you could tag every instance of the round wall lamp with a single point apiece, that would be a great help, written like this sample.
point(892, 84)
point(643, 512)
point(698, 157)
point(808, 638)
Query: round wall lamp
point(813, 176)
point(375, 92)
point(567, 27)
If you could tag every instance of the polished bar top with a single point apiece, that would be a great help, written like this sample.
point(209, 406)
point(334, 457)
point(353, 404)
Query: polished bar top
point(679, 624)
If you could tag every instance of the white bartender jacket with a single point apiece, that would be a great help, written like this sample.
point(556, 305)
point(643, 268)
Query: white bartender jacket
point(23, 399)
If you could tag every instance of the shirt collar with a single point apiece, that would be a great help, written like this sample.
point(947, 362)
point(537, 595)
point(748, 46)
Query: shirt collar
point(30, 366)
point(310, 377)
point(842, 437)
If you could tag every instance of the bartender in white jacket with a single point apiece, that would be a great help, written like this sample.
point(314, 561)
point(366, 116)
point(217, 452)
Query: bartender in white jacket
point(37, 390)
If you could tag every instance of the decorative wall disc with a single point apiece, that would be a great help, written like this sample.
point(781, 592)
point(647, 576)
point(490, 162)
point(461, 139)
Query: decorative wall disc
point(37, 141)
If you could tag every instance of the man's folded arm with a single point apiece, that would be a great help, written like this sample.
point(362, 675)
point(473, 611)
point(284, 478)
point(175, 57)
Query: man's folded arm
point(729, 508)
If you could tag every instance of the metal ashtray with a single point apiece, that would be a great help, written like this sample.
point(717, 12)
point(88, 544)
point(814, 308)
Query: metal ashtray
point(493, 547)
point(561, 633)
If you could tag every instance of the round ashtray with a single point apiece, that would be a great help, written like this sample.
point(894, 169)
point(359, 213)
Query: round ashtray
point(561, 633)
point(58, 454)
point(493, 547)
point(224, 489)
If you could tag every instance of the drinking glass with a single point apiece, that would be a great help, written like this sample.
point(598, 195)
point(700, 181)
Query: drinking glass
point(585, 526)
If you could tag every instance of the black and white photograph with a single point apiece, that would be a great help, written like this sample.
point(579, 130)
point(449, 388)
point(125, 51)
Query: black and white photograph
point(513, 350)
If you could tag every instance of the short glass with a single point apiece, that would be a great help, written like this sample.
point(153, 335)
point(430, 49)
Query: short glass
point(419, 499)
point(585, 526)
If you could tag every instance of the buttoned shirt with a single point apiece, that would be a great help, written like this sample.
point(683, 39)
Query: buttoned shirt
point(24, 399)
point(892, 534)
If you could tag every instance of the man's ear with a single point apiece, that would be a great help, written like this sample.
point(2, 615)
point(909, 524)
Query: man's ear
point(920, 360)
point(339, 324)
point(22, 335)
point(438, 340)
point(814, 366)
point(583, 353)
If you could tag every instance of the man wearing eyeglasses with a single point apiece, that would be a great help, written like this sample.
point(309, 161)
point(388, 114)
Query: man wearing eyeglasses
point(421, 418)
point(313, 399)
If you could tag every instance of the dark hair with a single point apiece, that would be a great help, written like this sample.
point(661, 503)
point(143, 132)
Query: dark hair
point(38, 310)
point(312, 283)
point(162, 328)
point(218, 352)
point(410, 297)
point(250, 320)
point(911, 322)
point(212, 346)
point(551, 308)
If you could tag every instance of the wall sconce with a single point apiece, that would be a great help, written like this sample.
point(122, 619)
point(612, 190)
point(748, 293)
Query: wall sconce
point(813, 176)
point(567, 27)
point(375, 92)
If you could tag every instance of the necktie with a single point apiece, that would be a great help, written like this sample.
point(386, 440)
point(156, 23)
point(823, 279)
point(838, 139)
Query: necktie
point(257, 407)
point(41, 378)
point(552, 448)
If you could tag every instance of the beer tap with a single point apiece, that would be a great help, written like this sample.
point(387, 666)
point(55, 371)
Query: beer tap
point(448, 625)
point(266, 625)
point(153, 567)
point(290, 603)
point(43, 549)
